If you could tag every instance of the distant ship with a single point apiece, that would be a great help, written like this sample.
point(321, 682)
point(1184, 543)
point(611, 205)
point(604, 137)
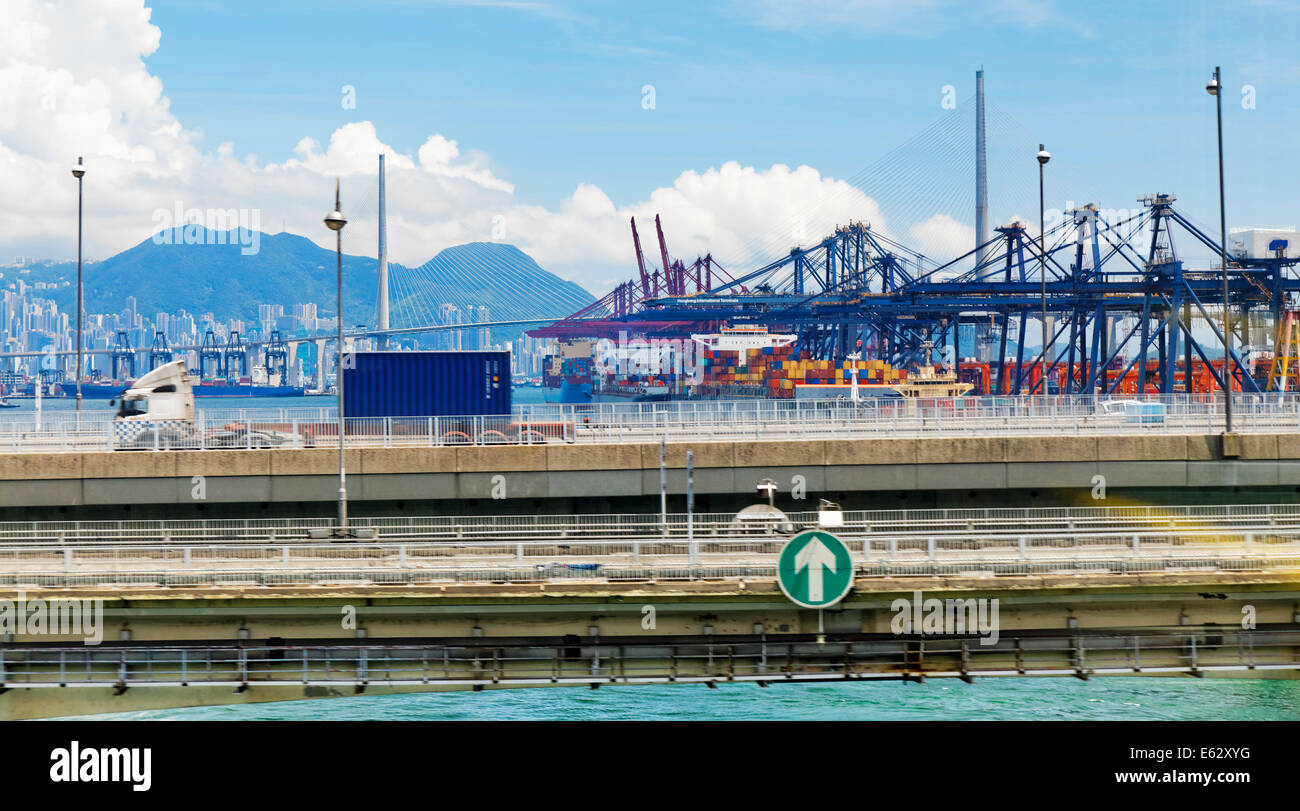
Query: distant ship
point(207, 388)
point(741, 338)
point(931, 381)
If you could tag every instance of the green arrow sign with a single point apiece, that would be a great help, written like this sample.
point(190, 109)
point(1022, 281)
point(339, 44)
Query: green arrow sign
point(815, 569)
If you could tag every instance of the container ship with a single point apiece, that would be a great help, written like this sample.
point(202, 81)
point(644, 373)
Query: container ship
point(106, 390)
point(741, 362)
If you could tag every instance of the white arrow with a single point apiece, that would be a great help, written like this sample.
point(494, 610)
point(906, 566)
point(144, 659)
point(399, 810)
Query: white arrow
point(814, 556)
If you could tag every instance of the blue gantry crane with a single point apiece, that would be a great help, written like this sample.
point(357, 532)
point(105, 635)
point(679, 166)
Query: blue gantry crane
point(860, 290)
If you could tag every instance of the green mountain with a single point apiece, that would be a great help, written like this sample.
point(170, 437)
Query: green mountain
point(213, 274)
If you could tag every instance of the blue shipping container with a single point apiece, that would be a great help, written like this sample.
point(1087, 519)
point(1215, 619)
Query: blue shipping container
point(427, 384)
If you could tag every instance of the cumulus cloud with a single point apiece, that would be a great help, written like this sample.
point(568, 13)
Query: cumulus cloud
point(942, 237)
point(75, 73)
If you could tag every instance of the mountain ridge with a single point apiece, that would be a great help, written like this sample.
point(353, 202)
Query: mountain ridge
point(202, 270)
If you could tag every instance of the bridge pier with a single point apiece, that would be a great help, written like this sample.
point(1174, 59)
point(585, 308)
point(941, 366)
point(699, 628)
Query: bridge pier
point(320, 364)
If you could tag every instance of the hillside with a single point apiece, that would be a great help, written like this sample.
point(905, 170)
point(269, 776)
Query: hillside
point(287, 269)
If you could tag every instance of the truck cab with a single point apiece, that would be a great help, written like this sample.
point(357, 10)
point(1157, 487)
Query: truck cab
point(159, 406)
point(166, 393)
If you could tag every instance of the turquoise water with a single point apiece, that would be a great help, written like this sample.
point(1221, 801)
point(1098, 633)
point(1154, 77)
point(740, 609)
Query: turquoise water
point(1061, 699)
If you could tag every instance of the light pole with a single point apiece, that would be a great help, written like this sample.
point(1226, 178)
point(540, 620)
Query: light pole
point(335, 221)
point(1043, 158)
point(78, 171)
point(1213, 89)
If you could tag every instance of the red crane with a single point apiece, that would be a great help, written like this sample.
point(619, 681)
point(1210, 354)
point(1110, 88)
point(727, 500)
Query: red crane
point(640, 262)
point(669, 280)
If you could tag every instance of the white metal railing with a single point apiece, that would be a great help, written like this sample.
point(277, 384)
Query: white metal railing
point(548, 662)
point(259, 573)
point(605, 560)
point(442, 554)
point(713, 420)
point(971, 521)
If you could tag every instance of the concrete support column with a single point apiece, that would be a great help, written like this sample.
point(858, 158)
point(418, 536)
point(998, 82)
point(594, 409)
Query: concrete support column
point(320, 365)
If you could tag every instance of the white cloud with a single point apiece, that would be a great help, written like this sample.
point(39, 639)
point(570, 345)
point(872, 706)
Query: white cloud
point(74, 73)
point(941, 237)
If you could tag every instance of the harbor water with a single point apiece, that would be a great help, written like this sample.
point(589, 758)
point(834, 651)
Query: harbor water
point(1009, 699)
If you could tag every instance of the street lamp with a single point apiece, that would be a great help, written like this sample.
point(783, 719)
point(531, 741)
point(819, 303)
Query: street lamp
point(78, 171)
point(335, 221)
point(1043, 158)
point(1213, 89)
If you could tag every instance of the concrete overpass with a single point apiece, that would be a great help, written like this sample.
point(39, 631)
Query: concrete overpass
point(207, 616)
point(175, 647)
point(566, 478)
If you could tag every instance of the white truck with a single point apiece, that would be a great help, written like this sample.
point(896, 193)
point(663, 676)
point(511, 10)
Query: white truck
point(157, 413)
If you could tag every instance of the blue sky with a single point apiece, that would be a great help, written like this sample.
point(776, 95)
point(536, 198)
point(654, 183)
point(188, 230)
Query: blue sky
point(523, 121)
point(551, 92)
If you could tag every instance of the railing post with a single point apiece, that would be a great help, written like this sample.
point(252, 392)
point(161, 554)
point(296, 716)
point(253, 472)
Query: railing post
point(1023, 543)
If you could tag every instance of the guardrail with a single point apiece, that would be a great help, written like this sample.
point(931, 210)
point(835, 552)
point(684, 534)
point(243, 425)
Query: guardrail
point(763, 658)
point(690, 421)
point(608, 561)
point(986, 521)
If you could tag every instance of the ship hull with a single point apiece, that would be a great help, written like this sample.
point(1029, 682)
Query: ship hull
point(100, 391)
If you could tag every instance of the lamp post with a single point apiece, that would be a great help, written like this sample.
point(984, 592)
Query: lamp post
point(1213, 89)
point(1043, 158)
point(335, 221)
point(78, 171)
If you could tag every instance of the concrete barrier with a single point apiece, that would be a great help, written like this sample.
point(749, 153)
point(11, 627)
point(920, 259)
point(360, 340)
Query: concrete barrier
point(631, 470)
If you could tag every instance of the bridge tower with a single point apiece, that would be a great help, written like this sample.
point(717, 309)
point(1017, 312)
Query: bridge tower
point(383, 258)
point(981, 173)
point(209, 352)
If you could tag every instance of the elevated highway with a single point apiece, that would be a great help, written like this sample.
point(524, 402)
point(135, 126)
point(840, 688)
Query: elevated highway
point(558, 477)
point(214, 614)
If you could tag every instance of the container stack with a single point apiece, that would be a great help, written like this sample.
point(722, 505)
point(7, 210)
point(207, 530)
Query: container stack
point(775, 371)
